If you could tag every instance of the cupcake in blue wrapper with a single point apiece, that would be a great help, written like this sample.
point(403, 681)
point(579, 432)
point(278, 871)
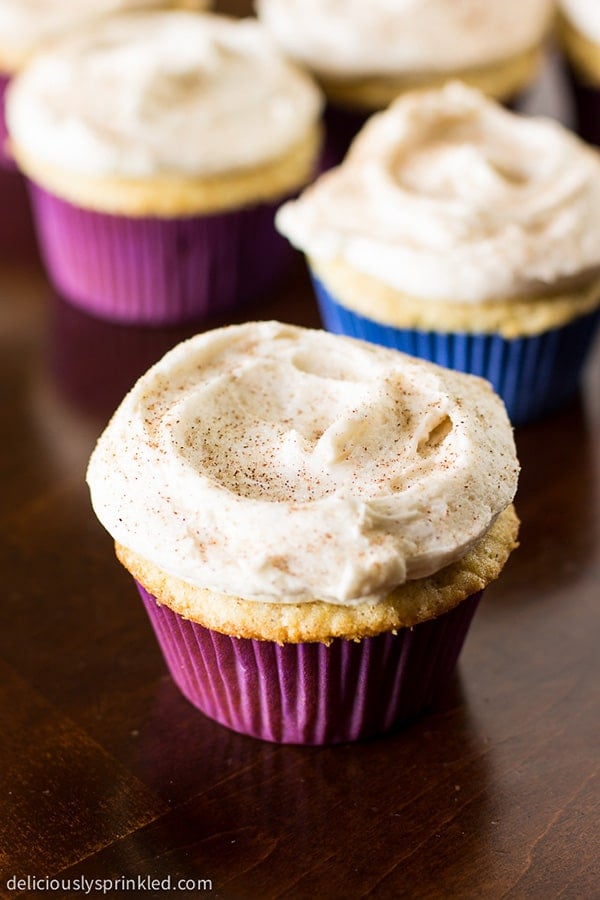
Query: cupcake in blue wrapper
point(464, 234)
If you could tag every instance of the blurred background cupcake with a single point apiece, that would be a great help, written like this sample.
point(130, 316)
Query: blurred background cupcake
point(158, 146)
point(579, 32)
point(466, 234)
point(30, 26)
point(365, 54)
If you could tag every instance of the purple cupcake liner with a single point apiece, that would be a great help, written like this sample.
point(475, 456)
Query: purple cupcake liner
point(310, 693)
point(6, 159)
point(533, 375)
point(158, 271)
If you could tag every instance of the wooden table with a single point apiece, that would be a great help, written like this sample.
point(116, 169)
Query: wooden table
point(106, 772)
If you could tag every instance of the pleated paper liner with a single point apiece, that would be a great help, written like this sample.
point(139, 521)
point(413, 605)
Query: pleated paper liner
point(311, 693)
point(158, 271)
point(534, 375)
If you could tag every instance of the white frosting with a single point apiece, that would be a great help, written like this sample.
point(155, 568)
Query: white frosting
point(353, 37)
point(160, 93)
point(27, 25)
point(584, 15)
point(447, 196)
point(283, 464)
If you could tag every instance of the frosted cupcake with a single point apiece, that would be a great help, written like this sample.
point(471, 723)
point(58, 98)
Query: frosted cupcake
point(467, 235)
point(29, 26)
point(365, 54)
point(158, 146)
point(310, 521)
point(579, 30)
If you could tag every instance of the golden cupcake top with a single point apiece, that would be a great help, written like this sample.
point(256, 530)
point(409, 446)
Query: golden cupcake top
point(449, 197)
point(27, 26)
point(283, 465)
point(155, 93)
point(346, 38)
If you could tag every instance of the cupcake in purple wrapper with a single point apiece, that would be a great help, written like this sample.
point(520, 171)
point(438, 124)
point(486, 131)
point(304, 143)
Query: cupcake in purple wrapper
point(366, 54)
point(310, 521)
point(158, 147)
point(27, 27)
point(579, 34)
point(460, 232)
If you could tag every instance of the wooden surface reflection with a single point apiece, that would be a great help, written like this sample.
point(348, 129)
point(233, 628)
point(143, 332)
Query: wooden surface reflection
point(106, 771)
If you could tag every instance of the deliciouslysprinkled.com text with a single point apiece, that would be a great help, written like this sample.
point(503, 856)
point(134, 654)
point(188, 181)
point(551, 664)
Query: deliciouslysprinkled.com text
point(82, 885)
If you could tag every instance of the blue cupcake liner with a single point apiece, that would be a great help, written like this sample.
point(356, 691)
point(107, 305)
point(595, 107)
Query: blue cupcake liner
point(534, 375)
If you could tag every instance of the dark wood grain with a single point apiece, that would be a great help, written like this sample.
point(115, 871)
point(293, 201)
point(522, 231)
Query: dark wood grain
point(105, 771)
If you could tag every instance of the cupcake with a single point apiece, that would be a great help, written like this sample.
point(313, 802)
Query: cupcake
point(158, 146)
point(460, 232)
point(365, 54)
point(310, 521)
point(29, 26)
point(579, 33)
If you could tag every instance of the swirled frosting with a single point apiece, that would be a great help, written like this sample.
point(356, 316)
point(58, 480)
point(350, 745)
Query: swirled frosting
point(353, 37)
point(283, 464)
point(447, 196)
point(26, 26)
point(584, 15)
point(161, 92)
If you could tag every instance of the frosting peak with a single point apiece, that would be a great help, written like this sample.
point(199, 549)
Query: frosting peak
point(448, 196)
point(282, 464)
